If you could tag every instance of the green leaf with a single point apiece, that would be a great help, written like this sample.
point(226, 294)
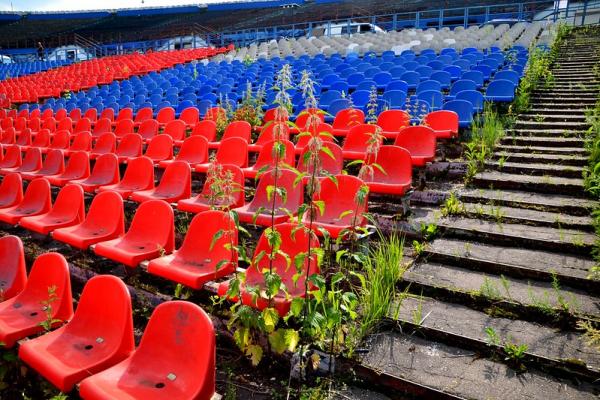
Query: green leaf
point(320, 205)
point(218, 235)
point(255, 353)
point(270, 318)
point(297, 306)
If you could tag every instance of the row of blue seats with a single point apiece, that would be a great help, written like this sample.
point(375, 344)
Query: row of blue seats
point(14, 70)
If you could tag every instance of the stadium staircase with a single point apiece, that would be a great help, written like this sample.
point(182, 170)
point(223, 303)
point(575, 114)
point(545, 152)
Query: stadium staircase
point(512, 268)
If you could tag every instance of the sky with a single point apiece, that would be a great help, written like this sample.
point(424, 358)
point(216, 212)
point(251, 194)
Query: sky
point(62, 5)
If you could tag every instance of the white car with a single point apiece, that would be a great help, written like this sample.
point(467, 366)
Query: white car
point(344, 29)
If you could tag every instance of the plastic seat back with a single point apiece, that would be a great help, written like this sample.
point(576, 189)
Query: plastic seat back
point(82, 142)
point(160, 148)
point(54, 163)
point(148, 129)
point(123, 127)
point(12, 158)
point(165, 115)
point(61, 140)
point(462, 110)
point(68, 207)
point(143, 114)
point(393, 120)
point(32, 160)
point(24, 138)
point(240, 129)
point(175, 129)
point(105, 171)
point(333, 165)
point(83, 125)
point(65, 125)
point(348, 118)
point(396, 165)
point(207, 129)
point(176, 180)
point(442, 120)
point(153, 222)
point(11, 190)
point(294, 241)
point(273, 130)
point(418, 140)
point(190, 116)
point(358, 138)
point(37, 198)
point(286, 180)
point(233, 151)
point(179, 341)
point(130, 146)
point(102, 126)
point(13, 274)
point(139, 175)
point(341, 201)
point(78, 166)
point(236, 198)
point(194, 150)
point(105, 144)
point(42, 139)
point(267, 155)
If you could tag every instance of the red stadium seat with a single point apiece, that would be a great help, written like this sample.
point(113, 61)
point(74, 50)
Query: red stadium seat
point(294, 241)
point(143, 114)
point(54, 164)
point(176, 130)
point(204, 254)
point(130, 147)
point(357, 141)
point(214, 113)
point(266, 158)
point(104, 125)
point(151, 233)
point(82, 142)
point(175, 184)
point(306, 117)
point(190, 116)
point(232, 151)
point(269, 134)
point(347, 119)
point(42, 139)
point(139, 175)
point(124, 114)
point(238, 129)
point(179, 342)
point(420, 143)
point(194, 150)
point(60, 141)
point(160, 148)
point(8, 136)
point(123, 127)
point(12, 158)
point(99, 336)
point(78, 167)
point(83, 125)
point(323, 131)
point(259, 210)
point(37, 200)
point(392, 122)
point(68, 210)
point(443, 122)
point(148, 129)
point(65, 125)
point(24, 138)
point(330, 165)
point(91, 114)
point(11, 190)
point(396, 177)
point(22, 315)
point(13, 274)
point(165, 115)
point(104, 221)
point(107, 143)
point(31, 162)
point(105, 172)
point(213, 195)
point(206, 128)
point(342, 211)
point(107, 113)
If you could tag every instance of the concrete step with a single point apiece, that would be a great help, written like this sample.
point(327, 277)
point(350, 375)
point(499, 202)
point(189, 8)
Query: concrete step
point(551, 125)
point(405, 363)
point(517, 234)
point(557, 203)
point(558, 140)
point(576, 151)
point(556, 159)
point(433, 278)
point(513, 261)
point(515, 167)
point(455, 323)
point(540, 184)
point(527, 216)
point(553, 116)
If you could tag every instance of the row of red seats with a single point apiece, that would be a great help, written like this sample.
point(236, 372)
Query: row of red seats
point(34, 210)
point(95, 346)
point(98, 71)
point(396, 161)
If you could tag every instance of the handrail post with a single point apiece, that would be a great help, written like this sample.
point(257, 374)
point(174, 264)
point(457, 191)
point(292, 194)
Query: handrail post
point(441, 18)
point(520, 13)
point(466, 18)
point(394, 22)
point(418, 19)
point(585, 4)
point(487, 14)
